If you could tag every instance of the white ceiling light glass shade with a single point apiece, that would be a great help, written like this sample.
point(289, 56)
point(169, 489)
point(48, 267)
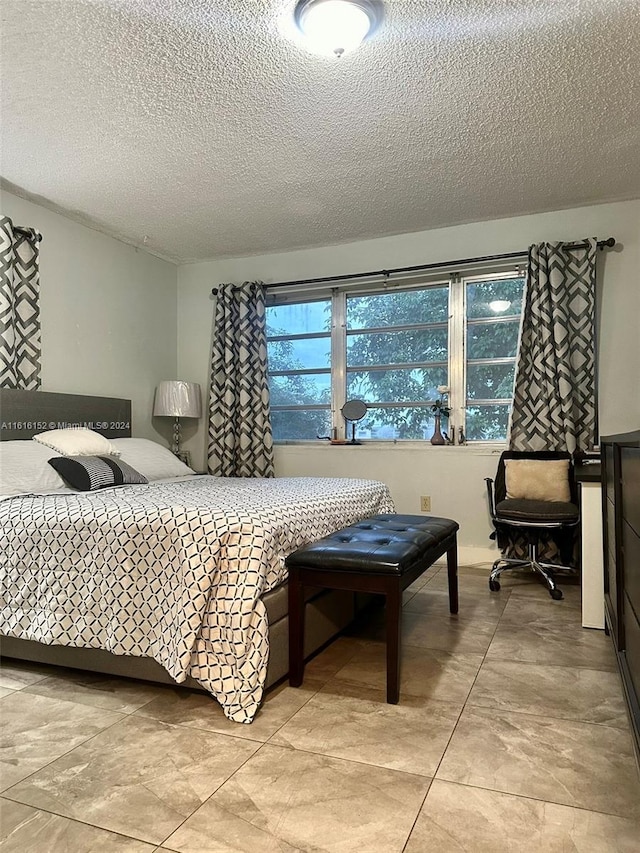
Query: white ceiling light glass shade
point(334, 27)
point(499, 305)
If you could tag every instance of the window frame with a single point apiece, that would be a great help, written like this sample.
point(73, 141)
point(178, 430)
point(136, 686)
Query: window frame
point(457, 326)
point(320, 371)
point(344, 370)
point(460, 403)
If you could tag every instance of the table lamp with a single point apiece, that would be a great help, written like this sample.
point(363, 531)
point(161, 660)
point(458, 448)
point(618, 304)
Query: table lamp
point(177, 399)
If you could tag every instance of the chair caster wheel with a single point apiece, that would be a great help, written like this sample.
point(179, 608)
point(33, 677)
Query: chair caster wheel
point(556, 594)
point(494, 586)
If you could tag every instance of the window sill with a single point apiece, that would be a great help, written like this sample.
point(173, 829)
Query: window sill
point(485, 448)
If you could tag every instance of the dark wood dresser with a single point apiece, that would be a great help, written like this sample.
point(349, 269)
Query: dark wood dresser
point(621, 523)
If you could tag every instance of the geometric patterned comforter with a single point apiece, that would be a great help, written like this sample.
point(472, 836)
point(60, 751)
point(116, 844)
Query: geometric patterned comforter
point(172, 570)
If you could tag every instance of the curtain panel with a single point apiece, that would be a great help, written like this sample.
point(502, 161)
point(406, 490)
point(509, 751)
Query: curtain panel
point(240, 437)
point(20, 350)
point(554, 406)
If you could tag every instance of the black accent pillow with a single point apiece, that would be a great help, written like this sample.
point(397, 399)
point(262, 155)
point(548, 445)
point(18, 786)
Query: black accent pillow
point(89, 473)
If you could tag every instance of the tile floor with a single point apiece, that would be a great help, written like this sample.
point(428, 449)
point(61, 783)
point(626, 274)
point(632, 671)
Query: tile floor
point(510, 734)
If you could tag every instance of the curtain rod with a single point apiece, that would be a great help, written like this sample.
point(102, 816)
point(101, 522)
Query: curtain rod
point(608, 243)
point(30, 233)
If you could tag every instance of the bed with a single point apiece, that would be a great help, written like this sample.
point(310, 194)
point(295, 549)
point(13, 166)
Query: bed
point(180, 580)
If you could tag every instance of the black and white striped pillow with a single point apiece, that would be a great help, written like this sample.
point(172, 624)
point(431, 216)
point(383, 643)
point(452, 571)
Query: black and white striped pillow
point(89, 473)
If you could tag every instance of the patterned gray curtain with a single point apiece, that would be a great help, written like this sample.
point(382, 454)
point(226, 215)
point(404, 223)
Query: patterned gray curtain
point(19, 307)
point(554, 406)
point(240, 438)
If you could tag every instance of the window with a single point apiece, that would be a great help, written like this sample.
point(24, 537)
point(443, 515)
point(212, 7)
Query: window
point(493, 312)
point(299, 358)
point(393, 347)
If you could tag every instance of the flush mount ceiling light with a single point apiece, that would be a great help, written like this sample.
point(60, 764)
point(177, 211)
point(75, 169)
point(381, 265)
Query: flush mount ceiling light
point(334, 27)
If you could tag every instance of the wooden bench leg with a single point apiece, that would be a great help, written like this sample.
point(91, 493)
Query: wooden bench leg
point(452, 572)
point(394, 615)
point(296, 629)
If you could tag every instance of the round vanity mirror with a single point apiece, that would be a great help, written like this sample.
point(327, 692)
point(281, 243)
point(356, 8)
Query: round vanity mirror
point(352, 411)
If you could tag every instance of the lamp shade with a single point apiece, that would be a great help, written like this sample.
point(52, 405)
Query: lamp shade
point(178, 399)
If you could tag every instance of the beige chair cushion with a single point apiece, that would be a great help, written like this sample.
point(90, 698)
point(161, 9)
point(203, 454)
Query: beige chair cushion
point(538, 479)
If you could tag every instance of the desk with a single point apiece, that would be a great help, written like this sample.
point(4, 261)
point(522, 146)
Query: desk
point(588, 478)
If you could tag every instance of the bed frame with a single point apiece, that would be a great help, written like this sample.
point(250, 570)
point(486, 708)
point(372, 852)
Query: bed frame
point(23, 414)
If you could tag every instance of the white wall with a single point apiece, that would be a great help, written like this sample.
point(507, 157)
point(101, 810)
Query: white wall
point(108, 313)
point(452, 476)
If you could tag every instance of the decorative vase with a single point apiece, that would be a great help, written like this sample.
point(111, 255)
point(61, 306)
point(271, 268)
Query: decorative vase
point(437, 437)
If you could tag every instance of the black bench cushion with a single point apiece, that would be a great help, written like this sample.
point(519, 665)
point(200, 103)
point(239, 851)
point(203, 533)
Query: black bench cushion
point(388, 544)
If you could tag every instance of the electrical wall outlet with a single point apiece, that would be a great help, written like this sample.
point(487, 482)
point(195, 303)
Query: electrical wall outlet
point(425, 503)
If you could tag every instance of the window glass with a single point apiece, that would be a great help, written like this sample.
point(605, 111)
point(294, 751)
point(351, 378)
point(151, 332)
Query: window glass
point(301, 424)
point(493, 309)
point(487, 423)
point(301, 389)
point(298, 347)
point(490, 381)
point(396, 386)
point(401, 347)
point(299, 353)
point(398, 308)
point(395, 423)
point(396, 328)
point(300, 318)
point(490, 298)
point(493, 340)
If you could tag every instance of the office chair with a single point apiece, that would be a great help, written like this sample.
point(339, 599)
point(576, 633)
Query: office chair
point(534, 494)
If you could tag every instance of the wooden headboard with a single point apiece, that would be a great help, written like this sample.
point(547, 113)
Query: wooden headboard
point(24, 414)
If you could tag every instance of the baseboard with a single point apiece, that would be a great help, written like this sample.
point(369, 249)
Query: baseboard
point(471, 555)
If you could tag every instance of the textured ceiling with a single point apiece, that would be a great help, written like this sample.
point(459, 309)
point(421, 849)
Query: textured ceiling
point(205, 128)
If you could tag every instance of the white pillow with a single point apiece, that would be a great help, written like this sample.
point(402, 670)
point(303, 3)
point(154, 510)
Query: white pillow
point(152, 460)
point(77, 441)
point(24, 469)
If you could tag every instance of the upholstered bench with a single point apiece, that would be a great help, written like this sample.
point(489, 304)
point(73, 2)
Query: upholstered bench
point(383, 554)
